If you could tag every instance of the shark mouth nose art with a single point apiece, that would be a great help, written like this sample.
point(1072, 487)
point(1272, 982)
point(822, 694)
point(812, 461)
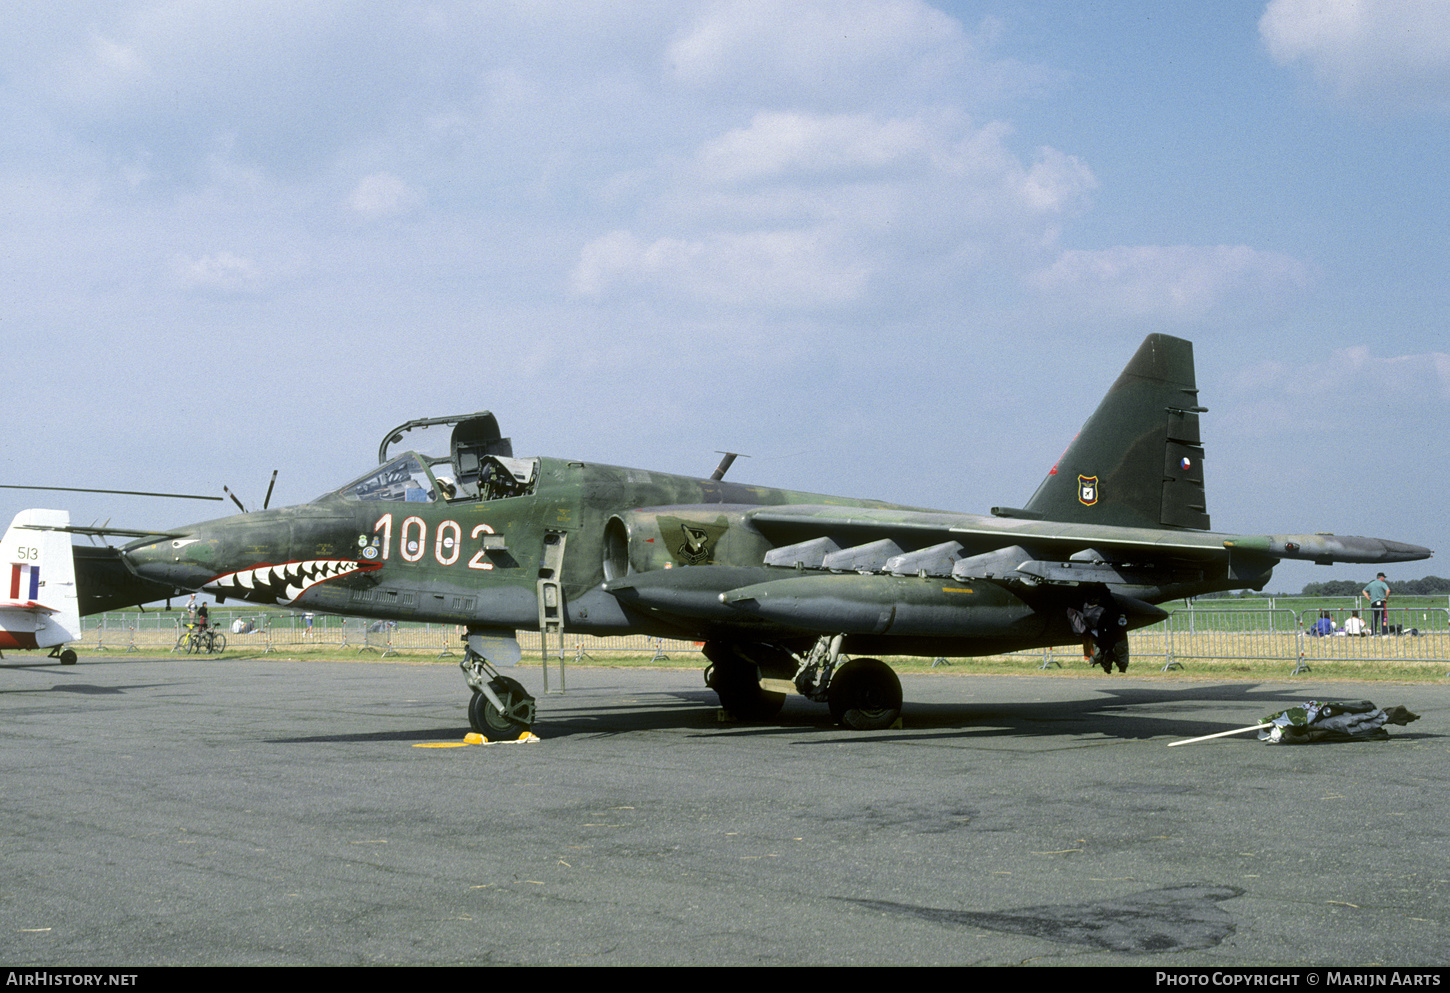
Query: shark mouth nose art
point(285, 582)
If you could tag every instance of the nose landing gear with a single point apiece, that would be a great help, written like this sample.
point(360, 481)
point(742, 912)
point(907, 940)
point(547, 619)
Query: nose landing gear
point(500, 706)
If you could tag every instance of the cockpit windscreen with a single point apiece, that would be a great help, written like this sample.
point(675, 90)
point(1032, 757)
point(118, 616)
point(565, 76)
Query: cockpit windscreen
point(403, 480)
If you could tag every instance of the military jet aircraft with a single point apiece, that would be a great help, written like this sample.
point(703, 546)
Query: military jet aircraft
point(778, 585)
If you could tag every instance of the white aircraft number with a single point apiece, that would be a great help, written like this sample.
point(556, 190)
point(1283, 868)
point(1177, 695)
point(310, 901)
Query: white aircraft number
point(447, 541)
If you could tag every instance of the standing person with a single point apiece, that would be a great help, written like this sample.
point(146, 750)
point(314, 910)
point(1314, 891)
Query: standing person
point(1103, 628)
point(1378, 595)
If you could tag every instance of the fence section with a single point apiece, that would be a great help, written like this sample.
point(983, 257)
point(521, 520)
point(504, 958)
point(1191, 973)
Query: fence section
point(1411, 634)
point(260, 632)
point(1417, 633)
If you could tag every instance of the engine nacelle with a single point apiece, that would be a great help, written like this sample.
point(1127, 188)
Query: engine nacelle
point(639, 541)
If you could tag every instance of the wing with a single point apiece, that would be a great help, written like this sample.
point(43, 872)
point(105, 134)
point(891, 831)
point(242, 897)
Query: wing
point(966, 546)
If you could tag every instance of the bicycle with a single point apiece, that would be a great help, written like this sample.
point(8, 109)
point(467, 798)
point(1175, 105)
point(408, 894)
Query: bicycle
point(195, 640)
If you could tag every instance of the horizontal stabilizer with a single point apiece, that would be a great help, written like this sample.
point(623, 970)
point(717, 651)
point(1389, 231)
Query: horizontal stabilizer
point(29, 606)
point(1328, 548)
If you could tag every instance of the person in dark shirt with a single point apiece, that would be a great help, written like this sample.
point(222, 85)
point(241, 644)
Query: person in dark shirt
point(1378, 595)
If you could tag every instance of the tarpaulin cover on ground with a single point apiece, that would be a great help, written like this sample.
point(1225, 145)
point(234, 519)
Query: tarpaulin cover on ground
point(1332, 720)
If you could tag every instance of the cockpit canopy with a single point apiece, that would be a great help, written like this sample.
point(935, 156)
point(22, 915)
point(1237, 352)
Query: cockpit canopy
point(415, 478)
point(480, 466)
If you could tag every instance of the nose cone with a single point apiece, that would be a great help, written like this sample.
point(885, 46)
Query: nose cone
point(1400, 551)
point(193, 557)
point(264, 557)
point(188, 561)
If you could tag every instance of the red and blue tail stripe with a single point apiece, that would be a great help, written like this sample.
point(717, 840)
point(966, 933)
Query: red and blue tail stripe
point(26, 578)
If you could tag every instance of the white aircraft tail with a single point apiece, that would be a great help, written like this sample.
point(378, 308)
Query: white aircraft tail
point(39, 603)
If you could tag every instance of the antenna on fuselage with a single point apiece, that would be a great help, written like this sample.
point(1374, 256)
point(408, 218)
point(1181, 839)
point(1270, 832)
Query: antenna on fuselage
point(724, 465)
point(265, 500)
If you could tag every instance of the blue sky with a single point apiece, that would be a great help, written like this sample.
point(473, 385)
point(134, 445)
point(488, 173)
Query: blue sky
point(892, 248)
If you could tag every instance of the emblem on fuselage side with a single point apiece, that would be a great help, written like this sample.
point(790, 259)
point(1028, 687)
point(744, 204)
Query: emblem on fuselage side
point(692, 542)
point(1087, 490)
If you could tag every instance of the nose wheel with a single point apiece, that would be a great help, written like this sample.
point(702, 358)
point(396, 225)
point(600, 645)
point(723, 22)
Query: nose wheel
point(500, 706)
point(508, 717)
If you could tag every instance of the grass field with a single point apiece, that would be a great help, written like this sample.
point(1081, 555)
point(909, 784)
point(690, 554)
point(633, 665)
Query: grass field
point(1230, 640)
point(1065, 664)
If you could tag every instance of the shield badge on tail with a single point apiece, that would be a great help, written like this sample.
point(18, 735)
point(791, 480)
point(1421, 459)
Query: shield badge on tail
point(1087, 490)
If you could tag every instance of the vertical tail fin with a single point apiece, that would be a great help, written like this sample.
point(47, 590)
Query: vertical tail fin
point(1138, 461)
point(39, 606)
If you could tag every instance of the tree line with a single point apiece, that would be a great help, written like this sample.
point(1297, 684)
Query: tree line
point(1429, 586)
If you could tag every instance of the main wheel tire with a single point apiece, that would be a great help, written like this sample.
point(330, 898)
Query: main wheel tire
point(491, 722)
point(864, 695)
point(68, 657)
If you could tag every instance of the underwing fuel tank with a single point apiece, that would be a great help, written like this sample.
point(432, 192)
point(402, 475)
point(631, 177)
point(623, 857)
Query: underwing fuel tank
point(694, 593)
point(911, 606)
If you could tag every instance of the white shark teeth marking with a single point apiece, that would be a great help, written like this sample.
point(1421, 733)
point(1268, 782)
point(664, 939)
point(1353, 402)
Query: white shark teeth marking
point(288, 581)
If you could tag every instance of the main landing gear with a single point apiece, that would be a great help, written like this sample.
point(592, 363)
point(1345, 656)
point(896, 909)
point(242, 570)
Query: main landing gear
point(862, 694)
point(500, 707)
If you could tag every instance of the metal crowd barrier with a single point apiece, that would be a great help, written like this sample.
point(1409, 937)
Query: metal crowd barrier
point(262, 632)
point(1413, 634)
point(1417, 633)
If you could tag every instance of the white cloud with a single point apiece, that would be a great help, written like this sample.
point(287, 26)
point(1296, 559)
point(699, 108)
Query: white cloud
point(846, 54)
point(1355, 373)
point(1379, 52)
point(789, 269)
point(793, 143)
point(383, 195)
point(1346, 392)
point(1182, 281)
point(222, 272)
point(817, 46)
point(1056, 181)
point(796, 207)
